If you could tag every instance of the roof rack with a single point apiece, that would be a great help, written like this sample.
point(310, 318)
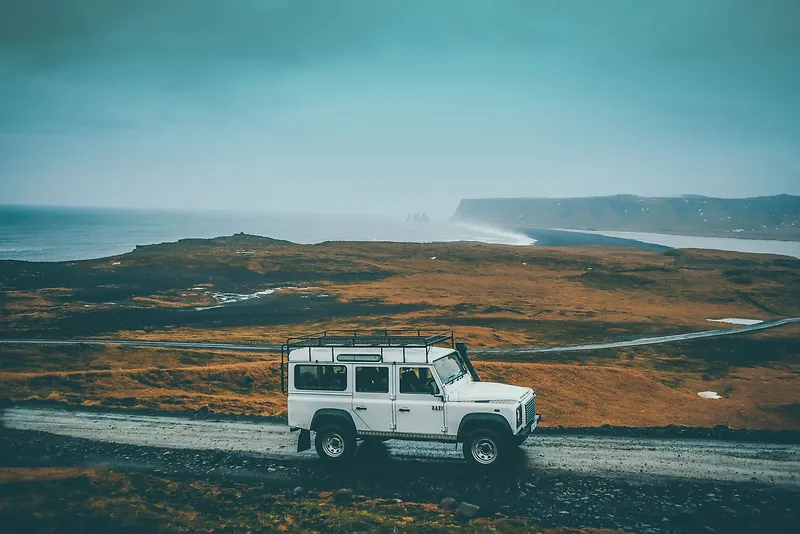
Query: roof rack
point(365, 338)
point(370, 338)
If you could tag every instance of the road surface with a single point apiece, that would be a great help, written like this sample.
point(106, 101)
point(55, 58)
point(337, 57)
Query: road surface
point(614, 456)
point(647, 340)
point(245, 347)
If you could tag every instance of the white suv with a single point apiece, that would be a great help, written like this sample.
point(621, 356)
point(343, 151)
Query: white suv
point(346, 386)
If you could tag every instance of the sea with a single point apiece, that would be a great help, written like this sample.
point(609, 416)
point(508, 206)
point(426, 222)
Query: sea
point(46, 233)
point(757, 246)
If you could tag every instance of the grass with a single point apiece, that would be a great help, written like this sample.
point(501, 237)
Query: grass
point(100, 500)
point(639, 387)
point(491, 295)
point(503, 294)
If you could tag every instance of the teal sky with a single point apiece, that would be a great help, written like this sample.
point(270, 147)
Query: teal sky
point(394, 106)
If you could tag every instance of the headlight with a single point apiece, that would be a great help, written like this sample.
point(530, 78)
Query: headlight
point(519, 415)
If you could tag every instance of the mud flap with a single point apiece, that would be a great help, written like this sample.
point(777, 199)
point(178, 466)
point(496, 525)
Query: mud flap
point(304, 441)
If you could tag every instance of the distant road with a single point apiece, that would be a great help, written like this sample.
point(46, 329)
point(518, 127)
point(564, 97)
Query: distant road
point(646, 340)
point(245, 347)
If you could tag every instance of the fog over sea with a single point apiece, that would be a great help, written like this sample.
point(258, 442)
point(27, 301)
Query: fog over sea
point(43, 233)
point(39, 233)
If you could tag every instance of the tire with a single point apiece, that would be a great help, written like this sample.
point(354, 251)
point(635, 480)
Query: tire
point(484, 448)
point(335, 443)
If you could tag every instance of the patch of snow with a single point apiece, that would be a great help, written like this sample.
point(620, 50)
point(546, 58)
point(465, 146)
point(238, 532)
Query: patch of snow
point(227, 298)
point(433, 257)
point(708, 395)
point(523, 263)
point(117, 263)
point(736, 320)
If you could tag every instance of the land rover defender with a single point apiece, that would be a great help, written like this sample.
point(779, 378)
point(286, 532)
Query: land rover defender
point(408, 385)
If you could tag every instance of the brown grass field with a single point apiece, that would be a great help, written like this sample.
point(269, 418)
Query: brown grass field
point(489, 295)
point(649, 390)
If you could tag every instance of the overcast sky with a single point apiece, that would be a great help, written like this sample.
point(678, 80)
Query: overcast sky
point(394, 106)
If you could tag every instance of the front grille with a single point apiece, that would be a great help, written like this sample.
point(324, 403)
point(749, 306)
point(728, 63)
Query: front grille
point(530, 409)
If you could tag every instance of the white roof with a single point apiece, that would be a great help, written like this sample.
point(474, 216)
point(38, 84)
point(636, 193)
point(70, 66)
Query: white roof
point(390, 354)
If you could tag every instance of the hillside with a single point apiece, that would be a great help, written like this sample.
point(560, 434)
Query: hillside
point(247, 289)
point(775, 217)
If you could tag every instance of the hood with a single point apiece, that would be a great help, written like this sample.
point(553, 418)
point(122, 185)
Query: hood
point(478, 391)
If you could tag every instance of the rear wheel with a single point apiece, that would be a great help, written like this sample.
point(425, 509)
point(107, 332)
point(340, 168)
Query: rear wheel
point(484, 448)
point(335, 443)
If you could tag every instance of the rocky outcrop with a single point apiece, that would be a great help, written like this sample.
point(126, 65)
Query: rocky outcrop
point(774, 217)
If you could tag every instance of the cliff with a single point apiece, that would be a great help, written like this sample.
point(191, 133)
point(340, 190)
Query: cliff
point(774, 217)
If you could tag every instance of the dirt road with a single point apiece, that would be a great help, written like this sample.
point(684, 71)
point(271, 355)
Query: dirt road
point(246, 347)
point(613, 456)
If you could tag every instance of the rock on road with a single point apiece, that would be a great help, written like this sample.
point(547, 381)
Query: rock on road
point(613, 456)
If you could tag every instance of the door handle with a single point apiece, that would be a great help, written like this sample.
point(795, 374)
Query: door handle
point(405, 409)
point(361, 407)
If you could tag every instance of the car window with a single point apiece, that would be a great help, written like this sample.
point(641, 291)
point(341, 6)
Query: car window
point(372, 379)
point(320, 377)
point(416, 380)
point(450, 367)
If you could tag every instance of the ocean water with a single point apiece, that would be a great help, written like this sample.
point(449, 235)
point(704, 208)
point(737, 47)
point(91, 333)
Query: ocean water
point(38, 233)
point(758, 246)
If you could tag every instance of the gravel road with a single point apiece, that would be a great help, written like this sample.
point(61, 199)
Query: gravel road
point(246, 347)
point(605, 456)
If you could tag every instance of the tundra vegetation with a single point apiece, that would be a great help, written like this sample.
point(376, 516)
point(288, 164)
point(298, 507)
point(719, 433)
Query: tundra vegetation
point(247, 289)
point(257, 290)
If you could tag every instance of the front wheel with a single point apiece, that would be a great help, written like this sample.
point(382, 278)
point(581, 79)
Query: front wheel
point(335, 443)
point(484, 448)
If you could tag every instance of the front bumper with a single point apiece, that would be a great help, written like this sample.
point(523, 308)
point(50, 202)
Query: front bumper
point(524, 432)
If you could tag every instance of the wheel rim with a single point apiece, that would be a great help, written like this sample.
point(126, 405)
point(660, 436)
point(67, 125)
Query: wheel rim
point(484, 450)
point(333, 445)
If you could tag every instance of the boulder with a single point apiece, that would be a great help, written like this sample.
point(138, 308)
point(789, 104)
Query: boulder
point(467, 510)
point(343, 495)
point(298, 490)
point(448, 503)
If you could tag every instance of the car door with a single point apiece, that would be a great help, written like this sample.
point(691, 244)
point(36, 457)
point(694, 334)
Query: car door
point(419, 409)
point(372, 398)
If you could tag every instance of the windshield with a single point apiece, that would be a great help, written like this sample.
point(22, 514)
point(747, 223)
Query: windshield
point(450, 367)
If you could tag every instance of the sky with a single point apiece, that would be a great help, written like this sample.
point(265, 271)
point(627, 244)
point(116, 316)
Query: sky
point(393, 107)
